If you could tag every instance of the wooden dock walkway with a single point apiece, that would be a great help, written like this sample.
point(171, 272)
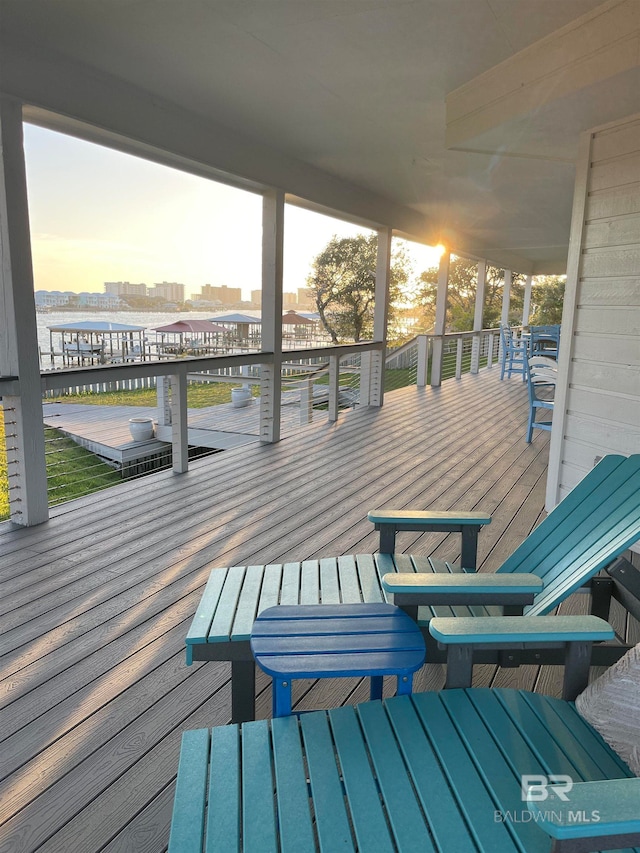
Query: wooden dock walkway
point(96, 603)
point(105, 429)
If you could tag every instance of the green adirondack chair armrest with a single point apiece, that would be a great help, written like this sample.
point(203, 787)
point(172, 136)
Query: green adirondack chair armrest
point(506, 631)
point(409, 519)
point(390, 521)
point(414, 589)
point(596, 810)
point(464, 635)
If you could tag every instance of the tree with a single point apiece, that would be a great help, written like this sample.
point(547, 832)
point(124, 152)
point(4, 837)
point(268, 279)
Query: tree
point(547, 296)
point(342, 284)
point(461, 296)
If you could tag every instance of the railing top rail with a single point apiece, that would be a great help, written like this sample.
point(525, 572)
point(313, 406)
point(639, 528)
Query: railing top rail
point(338, 349)
point(56, 379)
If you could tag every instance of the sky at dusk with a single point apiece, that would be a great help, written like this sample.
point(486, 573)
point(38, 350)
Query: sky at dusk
point(99, 215)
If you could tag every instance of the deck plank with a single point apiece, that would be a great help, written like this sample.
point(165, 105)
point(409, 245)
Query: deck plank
point(94, 691)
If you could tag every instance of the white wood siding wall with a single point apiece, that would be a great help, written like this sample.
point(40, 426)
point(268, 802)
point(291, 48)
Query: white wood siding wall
point(598, 405)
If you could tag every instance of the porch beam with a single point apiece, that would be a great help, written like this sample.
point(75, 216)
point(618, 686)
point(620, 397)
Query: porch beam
point(19, 340)
point(272, 270)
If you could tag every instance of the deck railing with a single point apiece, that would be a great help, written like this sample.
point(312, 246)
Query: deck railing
point(430, 359)
point(311, 383)
point(304, 371)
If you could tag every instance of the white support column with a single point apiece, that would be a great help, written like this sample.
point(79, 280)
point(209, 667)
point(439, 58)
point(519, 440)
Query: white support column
point(271, 375)
point(163, 386)
point(441, 316)
point(19, 339)
point(526, 308)
point(506, 299)
point(477, 315)
point(334, 387)
point(423, 360)
point(306, 401)
point(179, 424)
point(459, 346)
point(381, 313)
point(366, 377)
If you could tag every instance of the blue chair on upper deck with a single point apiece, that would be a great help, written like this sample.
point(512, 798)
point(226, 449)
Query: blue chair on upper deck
point(514, 353)
point(584, 533)
point(542, 375)
point(545, 340)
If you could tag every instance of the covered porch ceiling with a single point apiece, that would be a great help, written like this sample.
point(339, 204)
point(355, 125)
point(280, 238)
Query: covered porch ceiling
point(452, 121)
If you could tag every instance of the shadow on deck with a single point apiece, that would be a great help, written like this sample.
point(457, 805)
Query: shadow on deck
point(97, 601)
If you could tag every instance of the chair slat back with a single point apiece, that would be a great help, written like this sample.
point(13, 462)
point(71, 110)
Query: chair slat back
point(593, 525)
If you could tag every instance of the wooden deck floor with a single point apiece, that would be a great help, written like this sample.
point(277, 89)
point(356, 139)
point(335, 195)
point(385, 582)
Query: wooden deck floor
point(96, 603)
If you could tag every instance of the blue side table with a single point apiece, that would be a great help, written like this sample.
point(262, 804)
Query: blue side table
point(336, 640)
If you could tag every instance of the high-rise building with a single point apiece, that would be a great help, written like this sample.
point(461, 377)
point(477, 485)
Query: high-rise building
point(170, 291)
point(125, 288)
point(224, 294)
point(305, 299)
point(256, 297)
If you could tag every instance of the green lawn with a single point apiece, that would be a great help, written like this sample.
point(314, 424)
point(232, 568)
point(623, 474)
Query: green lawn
point(73, 471)
point(199, 396)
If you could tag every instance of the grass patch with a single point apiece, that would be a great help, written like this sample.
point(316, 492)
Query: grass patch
point(199, 396)
point(73, 471)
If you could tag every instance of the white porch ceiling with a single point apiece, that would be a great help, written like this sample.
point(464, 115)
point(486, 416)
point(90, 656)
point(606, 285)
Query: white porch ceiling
point(354, 88)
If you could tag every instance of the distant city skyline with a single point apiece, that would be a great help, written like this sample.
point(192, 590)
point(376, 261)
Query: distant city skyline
point(98, 215)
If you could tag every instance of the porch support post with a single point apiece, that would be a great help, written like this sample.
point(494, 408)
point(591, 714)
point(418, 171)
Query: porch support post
point(441, 316)
point(179, 424)
point(423, 360)
point(164, 400)
point(272, 265)
point(19, 340)
point(380, 317)
point(477, 316)
point(526, 308)
point(506, 299)
point(334, 387)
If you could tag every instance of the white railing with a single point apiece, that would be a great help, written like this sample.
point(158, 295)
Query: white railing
point(315, 382)
point(430, 359)
point(326, 379)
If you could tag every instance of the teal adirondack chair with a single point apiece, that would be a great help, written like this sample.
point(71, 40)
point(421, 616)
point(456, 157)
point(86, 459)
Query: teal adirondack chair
point(587, 531)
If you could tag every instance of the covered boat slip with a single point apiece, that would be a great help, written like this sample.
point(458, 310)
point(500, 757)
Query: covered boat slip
point(96, 342)
point(98, 601)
